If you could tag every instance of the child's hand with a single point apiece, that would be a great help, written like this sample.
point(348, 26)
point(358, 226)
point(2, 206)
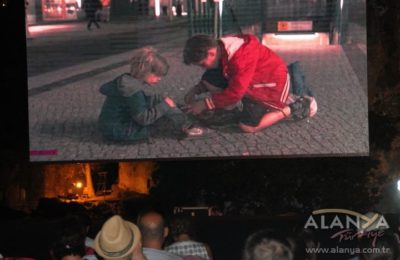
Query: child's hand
point(196, 107)
point(184, 108)
point(170, 102)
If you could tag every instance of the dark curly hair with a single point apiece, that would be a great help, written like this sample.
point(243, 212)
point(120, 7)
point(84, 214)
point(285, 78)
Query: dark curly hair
point(196, 48)
point(182, 225)
point(70, 238)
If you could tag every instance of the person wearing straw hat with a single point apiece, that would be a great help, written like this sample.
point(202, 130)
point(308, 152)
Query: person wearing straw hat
point(119, 240)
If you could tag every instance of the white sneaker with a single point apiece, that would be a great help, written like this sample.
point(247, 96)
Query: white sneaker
point(313, 107)
point(194, 131)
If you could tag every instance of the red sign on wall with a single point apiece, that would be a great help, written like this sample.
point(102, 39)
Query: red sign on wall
point(290, 26)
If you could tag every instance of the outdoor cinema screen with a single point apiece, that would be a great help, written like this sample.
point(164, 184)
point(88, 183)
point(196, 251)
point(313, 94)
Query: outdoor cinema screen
point(73, 51)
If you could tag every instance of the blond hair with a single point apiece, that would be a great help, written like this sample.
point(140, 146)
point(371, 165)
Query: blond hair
point(147, 60)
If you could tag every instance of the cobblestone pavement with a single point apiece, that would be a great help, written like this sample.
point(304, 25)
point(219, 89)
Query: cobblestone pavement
point(63, 117)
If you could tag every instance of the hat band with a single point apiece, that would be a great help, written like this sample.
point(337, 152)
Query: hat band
point(121, 252)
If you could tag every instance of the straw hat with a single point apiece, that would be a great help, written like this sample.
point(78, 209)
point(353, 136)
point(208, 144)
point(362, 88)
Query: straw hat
point(117, 238)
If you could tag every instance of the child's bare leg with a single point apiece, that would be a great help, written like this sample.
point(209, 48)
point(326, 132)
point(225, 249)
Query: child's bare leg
point(267, 120)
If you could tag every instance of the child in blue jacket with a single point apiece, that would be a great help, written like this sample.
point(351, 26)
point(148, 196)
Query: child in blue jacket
point(129, 111)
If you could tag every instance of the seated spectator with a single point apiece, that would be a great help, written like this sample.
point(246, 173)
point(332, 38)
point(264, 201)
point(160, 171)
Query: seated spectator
point(267, 245)
point(183, 233)
point(119, 240)
point(69, 243)
point(85, 221)
point(154, 231)
point(68, 247)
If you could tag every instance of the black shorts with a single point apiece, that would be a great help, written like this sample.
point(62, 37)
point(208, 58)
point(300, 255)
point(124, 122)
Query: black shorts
point(252, 112)
point(215, 78)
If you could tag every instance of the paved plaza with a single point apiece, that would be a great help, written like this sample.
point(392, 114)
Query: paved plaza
point(64, 105)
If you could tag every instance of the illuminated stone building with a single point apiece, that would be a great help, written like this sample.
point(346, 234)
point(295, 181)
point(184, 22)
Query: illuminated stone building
point(80, 182)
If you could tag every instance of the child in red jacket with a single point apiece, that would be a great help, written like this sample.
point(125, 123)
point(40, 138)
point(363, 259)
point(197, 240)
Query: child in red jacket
point(252, 71)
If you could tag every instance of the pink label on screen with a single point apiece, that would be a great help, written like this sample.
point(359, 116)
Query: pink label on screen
point(43, 152)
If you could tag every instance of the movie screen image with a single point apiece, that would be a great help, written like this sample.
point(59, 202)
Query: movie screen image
point(177, 79)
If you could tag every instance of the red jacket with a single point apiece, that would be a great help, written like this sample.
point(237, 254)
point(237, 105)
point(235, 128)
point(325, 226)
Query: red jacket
point(253, 70)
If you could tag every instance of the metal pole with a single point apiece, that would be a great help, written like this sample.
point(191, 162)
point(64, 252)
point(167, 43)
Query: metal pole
point(216, 19)
point(190, 14)
point(170, 14)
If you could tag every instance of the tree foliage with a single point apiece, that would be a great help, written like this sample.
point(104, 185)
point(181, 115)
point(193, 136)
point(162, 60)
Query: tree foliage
point(269, 186)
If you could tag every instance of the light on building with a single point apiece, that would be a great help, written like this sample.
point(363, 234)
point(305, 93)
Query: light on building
point(157, 9)
point(398, 185)
point(307, 36)
point(79, 185)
